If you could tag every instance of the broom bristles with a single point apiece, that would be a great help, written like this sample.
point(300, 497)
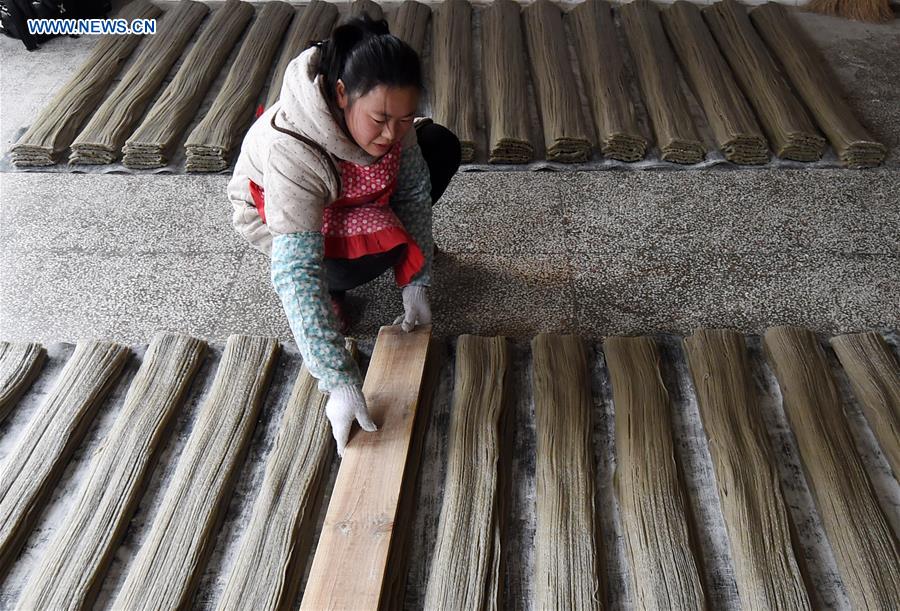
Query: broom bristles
point(876, 11)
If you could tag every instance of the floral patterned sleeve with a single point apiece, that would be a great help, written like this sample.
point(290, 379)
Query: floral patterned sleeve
point(297, 276)
point(411, 203)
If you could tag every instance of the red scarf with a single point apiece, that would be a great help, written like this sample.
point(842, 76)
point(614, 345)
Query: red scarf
point(360, 222)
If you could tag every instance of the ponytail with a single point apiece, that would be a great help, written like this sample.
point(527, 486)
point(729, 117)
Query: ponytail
point(363, 54)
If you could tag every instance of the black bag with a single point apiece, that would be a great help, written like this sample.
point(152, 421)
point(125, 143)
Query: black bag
point(14, 16)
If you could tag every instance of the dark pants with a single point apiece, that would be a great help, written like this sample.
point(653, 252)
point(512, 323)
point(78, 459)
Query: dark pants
point(441, 151)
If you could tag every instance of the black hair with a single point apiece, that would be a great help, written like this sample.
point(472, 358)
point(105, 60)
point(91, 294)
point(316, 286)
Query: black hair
point(363, 54)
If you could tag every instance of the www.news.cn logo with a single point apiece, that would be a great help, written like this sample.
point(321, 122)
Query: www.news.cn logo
point(78, 27)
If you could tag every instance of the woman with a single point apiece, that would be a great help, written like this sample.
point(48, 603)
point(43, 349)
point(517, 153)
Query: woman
point(335, 184)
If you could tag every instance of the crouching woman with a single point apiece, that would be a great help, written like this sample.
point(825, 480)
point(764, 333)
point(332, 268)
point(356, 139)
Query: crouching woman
point(336, 185)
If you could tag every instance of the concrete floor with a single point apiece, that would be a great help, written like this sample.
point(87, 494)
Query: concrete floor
point(120, 257)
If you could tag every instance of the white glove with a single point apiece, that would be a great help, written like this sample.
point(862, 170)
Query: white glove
point(346, 404)
point(416, 310)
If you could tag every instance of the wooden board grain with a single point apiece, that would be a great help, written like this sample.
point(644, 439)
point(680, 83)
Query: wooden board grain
point(393, 592)
point(349, 569)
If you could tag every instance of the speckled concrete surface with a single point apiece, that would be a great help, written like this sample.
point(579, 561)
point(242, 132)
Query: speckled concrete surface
point(596, 254)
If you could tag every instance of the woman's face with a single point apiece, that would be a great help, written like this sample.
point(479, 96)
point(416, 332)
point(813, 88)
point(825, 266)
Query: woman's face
point(379, 118)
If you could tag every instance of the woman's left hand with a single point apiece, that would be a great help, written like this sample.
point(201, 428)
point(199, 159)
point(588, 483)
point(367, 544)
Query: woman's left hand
point(416, 310)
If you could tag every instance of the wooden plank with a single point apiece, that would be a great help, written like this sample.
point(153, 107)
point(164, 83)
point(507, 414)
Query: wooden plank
point(465, 554)
point(393, 594)
point(728, 113)
point(875, 376)
point(654, 63)
point(566, 557)
point(270, 561)
point(349, 567)
point(504, 63)
point(58, 123)
point(817, 86)
point(864, 546)
point(663, 572)
point(210, 144)
point(606, 80)
point(313, 24)
point(566, 132)
point(452, 61)
point(19, 365)
point(39, 460)
point(789, 129)
point(72, 569)
point(102, 138)
point(153, 141)
point(170, 562)
point(756, 517)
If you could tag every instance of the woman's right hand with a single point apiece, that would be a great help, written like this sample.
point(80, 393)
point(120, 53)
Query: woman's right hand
point(346, 404)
